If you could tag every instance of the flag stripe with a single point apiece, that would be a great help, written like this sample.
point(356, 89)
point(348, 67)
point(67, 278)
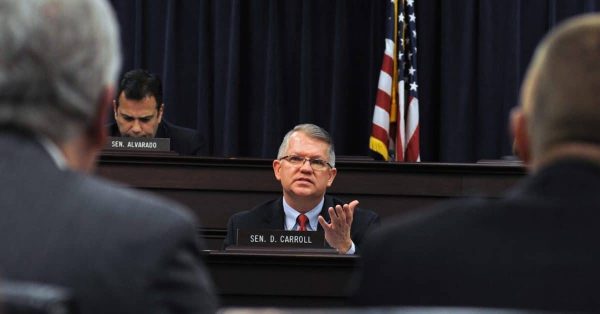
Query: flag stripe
point(380, 134)
point(413, 117)
point(385, 83)
point(389, 48)
point(381, 119)
point(412, 152)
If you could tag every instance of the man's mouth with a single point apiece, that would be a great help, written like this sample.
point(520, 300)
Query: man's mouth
point(304, 180)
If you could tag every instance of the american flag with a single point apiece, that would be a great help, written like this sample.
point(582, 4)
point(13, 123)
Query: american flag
point(395, 131)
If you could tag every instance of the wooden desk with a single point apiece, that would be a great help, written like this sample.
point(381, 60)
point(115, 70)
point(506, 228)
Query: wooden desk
point(216, 188)
point(268, 278)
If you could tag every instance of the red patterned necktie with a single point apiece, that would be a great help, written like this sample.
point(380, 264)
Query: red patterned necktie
point(302, 220)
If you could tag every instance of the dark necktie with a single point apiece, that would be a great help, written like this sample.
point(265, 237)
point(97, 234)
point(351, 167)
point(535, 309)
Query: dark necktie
point(301, 221)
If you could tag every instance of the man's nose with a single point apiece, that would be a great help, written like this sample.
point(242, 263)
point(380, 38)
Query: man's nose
point(306, 167)
point(136, 128)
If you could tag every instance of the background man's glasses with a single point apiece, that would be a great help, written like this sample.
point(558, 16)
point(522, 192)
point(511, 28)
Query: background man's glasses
point(315, 164)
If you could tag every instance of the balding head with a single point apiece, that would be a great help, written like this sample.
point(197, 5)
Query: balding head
point(560, 96)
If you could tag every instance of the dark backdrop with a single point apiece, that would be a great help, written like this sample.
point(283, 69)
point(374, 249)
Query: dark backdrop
point(245, 72)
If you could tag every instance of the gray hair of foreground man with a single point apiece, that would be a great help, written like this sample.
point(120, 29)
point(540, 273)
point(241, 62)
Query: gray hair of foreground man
point(313, 131)
point(56, 56)
point(561, 92)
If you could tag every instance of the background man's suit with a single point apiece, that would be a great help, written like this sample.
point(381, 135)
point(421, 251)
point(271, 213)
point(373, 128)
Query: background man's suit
point(184, 141)
point(119, 251)
point(270, 215)
point(536, 248)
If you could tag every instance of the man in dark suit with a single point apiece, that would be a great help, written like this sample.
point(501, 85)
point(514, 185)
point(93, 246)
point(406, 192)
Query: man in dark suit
point(536, 248)
point(116, 250)
point(138, 111)
point(305, 166)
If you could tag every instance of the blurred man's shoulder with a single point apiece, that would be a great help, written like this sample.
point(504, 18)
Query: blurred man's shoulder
point(108, 198)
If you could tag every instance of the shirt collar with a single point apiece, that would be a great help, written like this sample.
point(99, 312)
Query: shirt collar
point(291, 215)
point(55, 153)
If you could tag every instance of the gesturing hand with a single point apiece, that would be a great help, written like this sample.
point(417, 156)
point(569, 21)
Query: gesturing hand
point(337, 233)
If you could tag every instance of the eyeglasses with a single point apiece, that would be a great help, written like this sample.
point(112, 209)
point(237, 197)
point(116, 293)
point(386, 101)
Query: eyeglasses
point(315, 164)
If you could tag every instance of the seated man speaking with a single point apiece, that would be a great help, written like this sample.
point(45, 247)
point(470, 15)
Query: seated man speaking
point(139, 110)
point(305, 166)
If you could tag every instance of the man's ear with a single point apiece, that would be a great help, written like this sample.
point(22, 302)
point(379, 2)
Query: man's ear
point(332, 174)
point(114, 105)
point(97, 130)
point(160, 112)
point(277, 169)
point(519, 128)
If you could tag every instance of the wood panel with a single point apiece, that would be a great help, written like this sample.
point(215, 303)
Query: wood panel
point(281, 279)
point(215, 188)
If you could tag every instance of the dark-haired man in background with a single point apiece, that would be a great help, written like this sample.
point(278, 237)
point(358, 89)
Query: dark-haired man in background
point(138, 110)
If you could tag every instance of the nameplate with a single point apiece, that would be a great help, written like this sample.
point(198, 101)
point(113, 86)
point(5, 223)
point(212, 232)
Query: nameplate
point(280, 239)
point(139, 144)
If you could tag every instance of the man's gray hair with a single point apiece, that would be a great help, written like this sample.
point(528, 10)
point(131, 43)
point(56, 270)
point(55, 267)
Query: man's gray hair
point(56, 56)
point(312, 131)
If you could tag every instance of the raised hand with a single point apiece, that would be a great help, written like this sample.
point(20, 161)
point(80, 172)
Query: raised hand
point(337, 232)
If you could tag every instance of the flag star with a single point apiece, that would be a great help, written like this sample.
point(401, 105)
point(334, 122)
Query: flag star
point(400, 55)
point(401, 17)
point(413, 86)
point(410, 2)
point(412, 70)
point(414, 33)
point(413, 17)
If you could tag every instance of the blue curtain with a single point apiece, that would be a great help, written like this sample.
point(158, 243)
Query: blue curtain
point(245, 72)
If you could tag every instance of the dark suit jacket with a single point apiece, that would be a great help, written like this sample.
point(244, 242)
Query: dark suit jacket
point(536, 248)
point(184, 141)
point(270, 215)
point(117, 250)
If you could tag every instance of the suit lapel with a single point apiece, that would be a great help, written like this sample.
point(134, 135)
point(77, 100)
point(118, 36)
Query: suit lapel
point(276, 218)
